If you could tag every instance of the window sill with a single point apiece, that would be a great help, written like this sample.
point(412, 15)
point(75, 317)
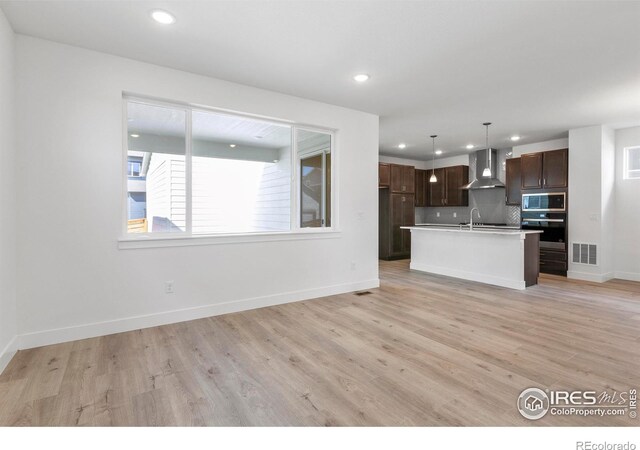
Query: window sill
point(150, 241)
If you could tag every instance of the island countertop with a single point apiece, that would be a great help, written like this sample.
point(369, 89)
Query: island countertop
point(465, 229)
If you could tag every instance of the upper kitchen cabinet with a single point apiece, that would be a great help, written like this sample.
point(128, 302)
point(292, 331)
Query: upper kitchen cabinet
point(384, 175)
point(455, 178)
point(421, 187)
point(402, 179)
point(555, 169)
point(531, 170)
point(446, 191)
point(544, 170)
point(513, 182)
point(436, 190)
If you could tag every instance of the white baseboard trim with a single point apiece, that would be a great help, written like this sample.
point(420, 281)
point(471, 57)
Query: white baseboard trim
point(594, 277)
point(630, 276)
point(472, 276)
point(7, 353)
point(73, 333)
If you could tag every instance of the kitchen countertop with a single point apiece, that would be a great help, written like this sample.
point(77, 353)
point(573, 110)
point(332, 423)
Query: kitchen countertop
point(482, 229)
point(457, 225)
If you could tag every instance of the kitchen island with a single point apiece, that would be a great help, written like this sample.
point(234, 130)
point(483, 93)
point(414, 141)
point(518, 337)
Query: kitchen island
point(500, 256)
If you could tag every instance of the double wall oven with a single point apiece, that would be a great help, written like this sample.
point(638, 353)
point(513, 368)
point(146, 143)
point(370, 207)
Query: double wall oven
point(547, 212)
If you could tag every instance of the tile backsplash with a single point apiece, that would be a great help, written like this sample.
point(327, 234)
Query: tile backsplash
point(513, 215)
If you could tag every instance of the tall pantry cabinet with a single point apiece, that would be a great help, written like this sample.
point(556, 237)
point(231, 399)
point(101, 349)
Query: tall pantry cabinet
point(396, 210)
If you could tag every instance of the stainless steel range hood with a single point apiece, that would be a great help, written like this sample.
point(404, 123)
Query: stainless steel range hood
point(481, 163)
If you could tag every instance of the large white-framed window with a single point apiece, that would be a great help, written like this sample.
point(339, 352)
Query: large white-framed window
point(632, 163)
point(193, 171)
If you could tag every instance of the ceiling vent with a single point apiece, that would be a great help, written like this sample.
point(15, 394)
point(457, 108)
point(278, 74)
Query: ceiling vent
point(585, 254)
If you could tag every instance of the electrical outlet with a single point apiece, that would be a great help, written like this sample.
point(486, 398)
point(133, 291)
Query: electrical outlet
point(455, 214)
point(168, 287)
point(353, 265)
point(437, 214)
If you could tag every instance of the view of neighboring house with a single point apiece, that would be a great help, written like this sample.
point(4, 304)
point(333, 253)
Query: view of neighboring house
point(136, 190)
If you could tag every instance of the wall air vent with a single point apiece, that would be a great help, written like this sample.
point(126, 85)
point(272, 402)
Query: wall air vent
point(585, 254)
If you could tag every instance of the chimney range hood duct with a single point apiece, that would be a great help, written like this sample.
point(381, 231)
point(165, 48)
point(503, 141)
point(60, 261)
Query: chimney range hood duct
point(481, 164)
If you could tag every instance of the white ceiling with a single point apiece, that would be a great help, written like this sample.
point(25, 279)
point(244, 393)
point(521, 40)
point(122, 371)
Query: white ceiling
point(535, 69)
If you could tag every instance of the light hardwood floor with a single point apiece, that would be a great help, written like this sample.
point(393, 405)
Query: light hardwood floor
point(421, 350)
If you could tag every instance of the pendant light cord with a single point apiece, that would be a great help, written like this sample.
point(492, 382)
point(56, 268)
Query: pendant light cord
point(433, 162)
point(486, 124)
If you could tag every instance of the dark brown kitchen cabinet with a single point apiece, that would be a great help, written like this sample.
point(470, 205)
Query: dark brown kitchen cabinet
point(446, 190)
point(553, 261)
point(544, 170)
point(421, 192)
point(513, 184)
point(384, 175)
point(436, 190)
point(396, 211)
point(402, 179)
point(555, 169)
point(402, 215)
point(531, 171)
point(455, 178)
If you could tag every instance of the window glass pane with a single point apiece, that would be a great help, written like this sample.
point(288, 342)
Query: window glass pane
point(135, 163)
point(156, 196)
point(633, 162)
point(314, 150)
point(241, 174)
point(311, 191)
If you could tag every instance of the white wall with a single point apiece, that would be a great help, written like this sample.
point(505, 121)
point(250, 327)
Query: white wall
point(459, 160)
point(73, 281)
point(7, 195)
point(403, 161)
point(590, 199)
point(627, 211)
point(545, 146)
point(608, 202)
point(439, 162)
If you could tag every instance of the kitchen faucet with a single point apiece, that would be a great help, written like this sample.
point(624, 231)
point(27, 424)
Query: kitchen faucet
point(471, 217)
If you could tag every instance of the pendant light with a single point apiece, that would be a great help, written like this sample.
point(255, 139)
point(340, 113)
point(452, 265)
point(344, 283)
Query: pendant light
point(433, 178)
point(487, 171)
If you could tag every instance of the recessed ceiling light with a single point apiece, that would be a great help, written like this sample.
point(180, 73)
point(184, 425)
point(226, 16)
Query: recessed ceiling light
point(469, 146)
point(402, 146)
point(438, 152)
point(361, 77)
point(163, 17)
point(275, 160)
point(515, 138)
point(232, 145)
point(135, 135)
